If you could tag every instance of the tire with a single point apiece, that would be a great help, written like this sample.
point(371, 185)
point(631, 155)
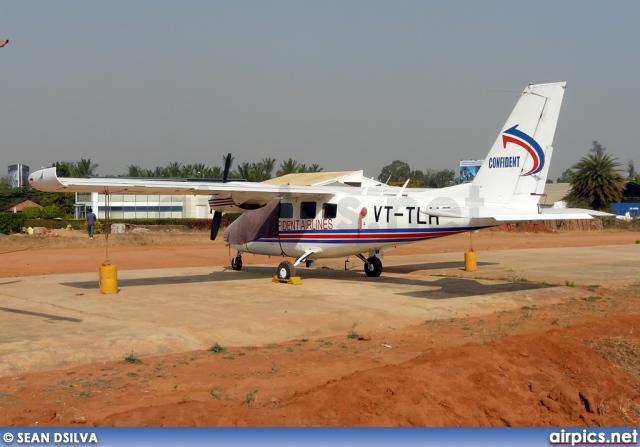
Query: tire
point(373, 267)
point(286, 270)
point(236, 263)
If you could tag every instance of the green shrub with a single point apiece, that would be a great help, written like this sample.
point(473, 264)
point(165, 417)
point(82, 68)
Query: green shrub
point(31, 212)
point(11, 222)
point(50, 212)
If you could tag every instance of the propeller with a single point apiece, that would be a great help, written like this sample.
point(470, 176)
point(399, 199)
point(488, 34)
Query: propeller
point(217, 216)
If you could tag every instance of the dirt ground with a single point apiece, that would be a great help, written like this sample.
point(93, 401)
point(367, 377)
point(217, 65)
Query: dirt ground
point(571, 363)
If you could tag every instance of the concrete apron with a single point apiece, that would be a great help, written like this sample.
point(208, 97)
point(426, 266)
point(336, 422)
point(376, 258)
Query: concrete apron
point(58, 321)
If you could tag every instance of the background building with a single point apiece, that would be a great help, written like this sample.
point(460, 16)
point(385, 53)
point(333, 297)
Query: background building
point(18, 175)
point(469, 169)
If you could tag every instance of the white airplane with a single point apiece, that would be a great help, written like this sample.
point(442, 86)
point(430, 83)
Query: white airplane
point(311, 222)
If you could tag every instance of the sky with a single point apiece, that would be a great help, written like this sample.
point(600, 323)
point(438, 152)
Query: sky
point(346, 84)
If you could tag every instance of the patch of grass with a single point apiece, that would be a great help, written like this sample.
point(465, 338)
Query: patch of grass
point(638, 241)
point(621, 352)
point(132, 358)
point(6, 395)
point(132, 374)
point(555, 321)
point(569, 283)
point(592, 299)
point(220, 394)
point(217, 349)
point(352, 332)
point(502, 330)
point(513, 276)
point(83, 394)
point(250, 397)
point(304, 340)
point(593, 287)
point(289, 349)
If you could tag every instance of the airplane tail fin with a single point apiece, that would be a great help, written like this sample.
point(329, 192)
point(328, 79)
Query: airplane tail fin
point(515, 171)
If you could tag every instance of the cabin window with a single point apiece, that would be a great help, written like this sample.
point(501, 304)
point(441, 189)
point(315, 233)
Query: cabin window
point(286, 210)
point(330, 210)
point(308, 210)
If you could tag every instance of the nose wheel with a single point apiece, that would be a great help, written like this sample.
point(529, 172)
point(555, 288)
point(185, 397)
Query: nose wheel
point(236, 262)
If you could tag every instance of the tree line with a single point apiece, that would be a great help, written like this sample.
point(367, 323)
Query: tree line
point(595, 179)
point(253, 172)
point(398, 172)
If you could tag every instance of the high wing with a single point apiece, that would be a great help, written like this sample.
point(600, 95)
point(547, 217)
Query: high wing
point(226, 197)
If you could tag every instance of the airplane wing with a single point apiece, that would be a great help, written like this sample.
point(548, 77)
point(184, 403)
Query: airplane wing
point(231, 195)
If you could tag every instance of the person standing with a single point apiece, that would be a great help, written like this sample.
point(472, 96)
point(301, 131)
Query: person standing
point(91, 222)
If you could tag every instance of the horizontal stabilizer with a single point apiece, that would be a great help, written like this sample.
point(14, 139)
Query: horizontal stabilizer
point(516, 215)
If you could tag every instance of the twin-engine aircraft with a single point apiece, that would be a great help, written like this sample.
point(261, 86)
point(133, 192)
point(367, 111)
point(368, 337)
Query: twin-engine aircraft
point(311, 222)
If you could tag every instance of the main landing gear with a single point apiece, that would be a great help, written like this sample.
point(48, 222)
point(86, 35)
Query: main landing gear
point(285, 270)
point(372, 265)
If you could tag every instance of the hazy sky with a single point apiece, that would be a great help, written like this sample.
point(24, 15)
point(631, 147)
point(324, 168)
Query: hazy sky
point(346, 84)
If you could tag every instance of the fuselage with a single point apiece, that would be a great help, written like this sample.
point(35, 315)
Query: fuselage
point(343, 225)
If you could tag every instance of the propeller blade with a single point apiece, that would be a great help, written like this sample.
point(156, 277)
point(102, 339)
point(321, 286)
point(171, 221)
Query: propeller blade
point(227, 165)
point(215, 224)
point(217, 216)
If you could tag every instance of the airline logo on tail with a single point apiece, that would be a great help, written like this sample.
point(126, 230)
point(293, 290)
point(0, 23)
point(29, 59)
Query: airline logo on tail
point(515, 136)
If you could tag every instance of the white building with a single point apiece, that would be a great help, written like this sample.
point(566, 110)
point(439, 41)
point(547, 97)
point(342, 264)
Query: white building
point(147, 206)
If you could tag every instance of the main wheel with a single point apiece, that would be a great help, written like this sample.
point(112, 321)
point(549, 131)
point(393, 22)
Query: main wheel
point(236, 262)
point(286, 270)
point(373, 267)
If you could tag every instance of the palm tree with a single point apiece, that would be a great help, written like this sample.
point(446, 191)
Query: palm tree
point(134, 171)
point(173, 169)
point(188, 171)
point(200, 169)
point(64, 168)
point(244, 170)
point(597, 180)
point(160, 172)
point(215, 172)
point(314, 168)
point(84, 168)
point(267, 165)
point(287, 167)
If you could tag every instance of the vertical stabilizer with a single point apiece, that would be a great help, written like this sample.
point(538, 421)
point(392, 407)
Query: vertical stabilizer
point(517, 165)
